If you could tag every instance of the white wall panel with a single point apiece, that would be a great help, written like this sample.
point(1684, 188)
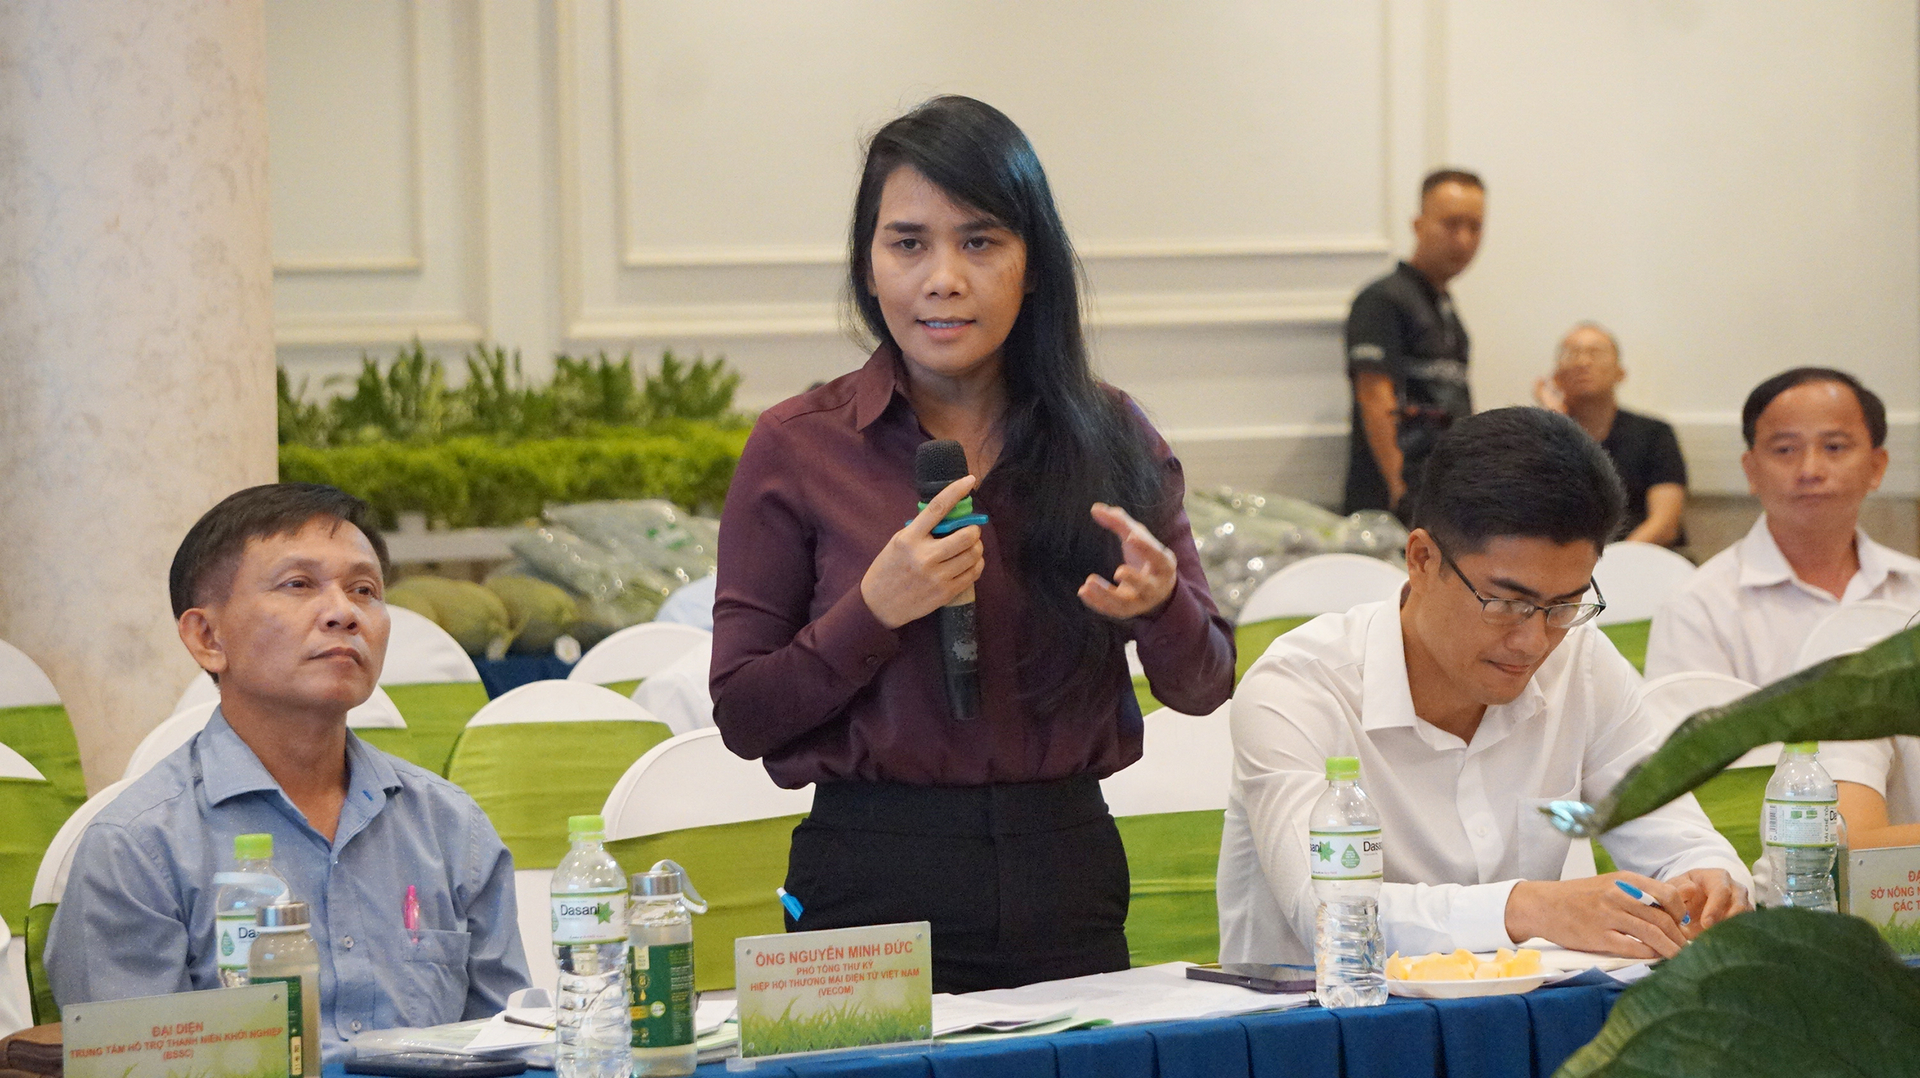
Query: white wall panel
point(345, 169)
point(377, 192)
point(1202, 110)
point(721, 194)
point(1730, 187)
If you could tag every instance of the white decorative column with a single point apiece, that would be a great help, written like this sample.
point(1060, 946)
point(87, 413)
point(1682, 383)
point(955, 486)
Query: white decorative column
point(136, 332)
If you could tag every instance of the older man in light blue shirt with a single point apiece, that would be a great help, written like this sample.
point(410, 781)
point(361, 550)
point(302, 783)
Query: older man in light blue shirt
point(278, 593)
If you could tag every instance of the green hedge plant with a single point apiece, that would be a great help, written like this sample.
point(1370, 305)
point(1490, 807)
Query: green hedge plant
point(497, 449)
point(477, 482)
point(412, 399)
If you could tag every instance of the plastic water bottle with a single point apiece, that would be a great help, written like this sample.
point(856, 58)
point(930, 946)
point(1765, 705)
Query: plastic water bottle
point(240, 895)
point(590, 947)
point(660, 971)
point(1842, 865)
point(1345, 858)
point(284, 953)
point(1798, 829)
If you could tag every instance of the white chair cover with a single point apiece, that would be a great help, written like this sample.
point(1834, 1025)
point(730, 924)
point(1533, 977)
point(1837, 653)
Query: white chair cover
point(1186, 765)
point(15, 766)
point(637, 651)
point(378, 713)
point(1323, 584)
point(22, 682)
point(50, 882)
point(420, 652)
point(201, 690)
point(550, 701)
point(559, 701)
point(16, 999)
point(693, 780)
point(1636, 578)
point(678, 695)
point(1853, 627)
point(691, 604)
point(1674, 697)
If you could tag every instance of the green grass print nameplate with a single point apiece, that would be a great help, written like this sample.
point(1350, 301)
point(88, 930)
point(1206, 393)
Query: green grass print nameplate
point(1884, 889)
point(841, 988)
point(221, 1033)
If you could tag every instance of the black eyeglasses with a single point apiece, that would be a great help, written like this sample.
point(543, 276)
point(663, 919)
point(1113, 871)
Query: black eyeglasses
point(1510, 612)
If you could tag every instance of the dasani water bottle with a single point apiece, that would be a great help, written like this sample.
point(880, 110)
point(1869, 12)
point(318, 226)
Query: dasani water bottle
point(254, 885)
point(1799, 831)
point(590, 947)
point(1345, 857)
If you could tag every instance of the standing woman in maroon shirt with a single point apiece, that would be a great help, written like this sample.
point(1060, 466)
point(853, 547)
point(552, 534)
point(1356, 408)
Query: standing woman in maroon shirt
point(826, 664)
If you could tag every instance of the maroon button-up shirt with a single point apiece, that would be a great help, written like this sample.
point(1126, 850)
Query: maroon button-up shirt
point(805, 678)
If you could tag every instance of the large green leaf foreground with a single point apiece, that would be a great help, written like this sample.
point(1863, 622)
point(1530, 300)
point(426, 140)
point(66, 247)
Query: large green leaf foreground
point(1872, 694)
point(1784, 992)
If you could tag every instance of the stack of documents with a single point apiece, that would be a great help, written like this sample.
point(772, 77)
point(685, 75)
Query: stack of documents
point(1146, 994)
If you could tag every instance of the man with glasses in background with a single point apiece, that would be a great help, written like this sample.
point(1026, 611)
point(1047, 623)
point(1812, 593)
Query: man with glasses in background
point(1480, 696)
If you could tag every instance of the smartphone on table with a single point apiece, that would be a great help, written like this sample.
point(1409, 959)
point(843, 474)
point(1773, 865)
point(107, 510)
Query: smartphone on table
point(1258, 976)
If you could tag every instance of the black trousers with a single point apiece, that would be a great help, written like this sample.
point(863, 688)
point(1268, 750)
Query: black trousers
point(1022, 882)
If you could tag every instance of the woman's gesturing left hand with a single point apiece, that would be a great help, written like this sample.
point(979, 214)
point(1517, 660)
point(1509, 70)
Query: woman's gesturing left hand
point(1145, 578)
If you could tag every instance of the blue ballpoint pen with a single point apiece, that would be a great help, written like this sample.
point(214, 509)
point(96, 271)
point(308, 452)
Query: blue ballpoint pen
point(1646, 899)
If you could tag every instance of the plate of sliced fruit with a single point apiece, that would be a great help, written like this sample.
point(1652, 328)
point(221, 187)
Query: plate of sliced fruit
point(1463, 973)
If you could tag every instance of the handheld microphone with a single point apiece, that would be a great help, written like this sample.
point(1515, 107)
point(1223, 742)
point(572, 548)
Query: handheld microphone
point(935, 465)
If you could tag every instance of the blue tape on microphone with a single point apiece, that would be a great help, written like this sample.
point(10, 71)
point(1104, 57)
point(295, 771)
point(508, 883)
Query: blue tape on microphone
point(961, 516)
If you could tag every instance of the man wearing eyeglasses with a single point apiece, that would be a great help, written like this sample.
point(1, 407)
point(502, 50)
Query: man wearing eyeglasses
point(1478, 697)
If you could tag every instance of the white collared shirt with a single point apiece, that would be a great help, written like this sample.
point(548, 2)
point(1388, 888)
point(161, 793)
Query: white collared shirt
point(1460, 820)
point(1745, 613)
point(1889, 767)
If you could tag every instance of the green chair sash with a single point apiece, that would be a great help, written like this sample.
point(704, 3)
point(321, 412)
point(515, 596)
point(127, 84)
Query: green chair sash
point(1173, 858)
point(1249, 642)
point(1630, 637)
point(44, 735)
point(1252, 640)
point(435, 716)
point(735, 867)
point(624, 688)
point(31, 812)
point(39, 919)
point(530, 776)
point(1731, 801)
point(1603, 861)
point(393, 743)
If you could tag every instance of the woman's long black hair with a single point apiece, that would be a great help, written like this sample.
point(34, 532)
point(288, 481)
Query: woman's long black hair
point(1067, 440)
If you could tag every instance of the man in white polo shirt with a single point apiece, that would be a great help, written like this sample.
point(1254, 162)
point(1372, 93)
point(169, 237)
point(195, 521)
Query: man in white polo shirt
point(1478, 697)
point(1816, 447)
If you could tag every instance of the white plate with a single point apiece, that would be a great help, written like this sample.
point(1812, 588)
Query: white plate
point(1491, 986)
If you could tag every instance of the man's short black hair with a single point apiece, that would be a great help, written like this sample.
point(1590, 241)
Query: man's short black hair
point(204, 565)
point(1448, 175)
point(1523, 472)
point(1871, 405)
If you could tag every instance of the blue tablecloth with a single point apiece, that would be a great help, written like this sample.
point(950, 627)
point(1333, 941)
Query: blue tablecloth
point(1494, 1037)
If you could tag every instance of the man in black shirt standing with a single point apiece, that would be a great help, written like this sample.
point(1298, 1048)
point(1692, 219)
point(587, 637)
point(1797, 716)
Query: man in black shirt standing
point(1644, 450)
point(1407, 351)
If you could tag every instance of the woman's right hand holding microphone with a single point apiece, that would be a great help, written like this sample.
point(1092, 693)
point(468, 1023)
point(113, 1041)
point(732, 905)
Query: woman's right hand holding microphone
point(917, 573)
